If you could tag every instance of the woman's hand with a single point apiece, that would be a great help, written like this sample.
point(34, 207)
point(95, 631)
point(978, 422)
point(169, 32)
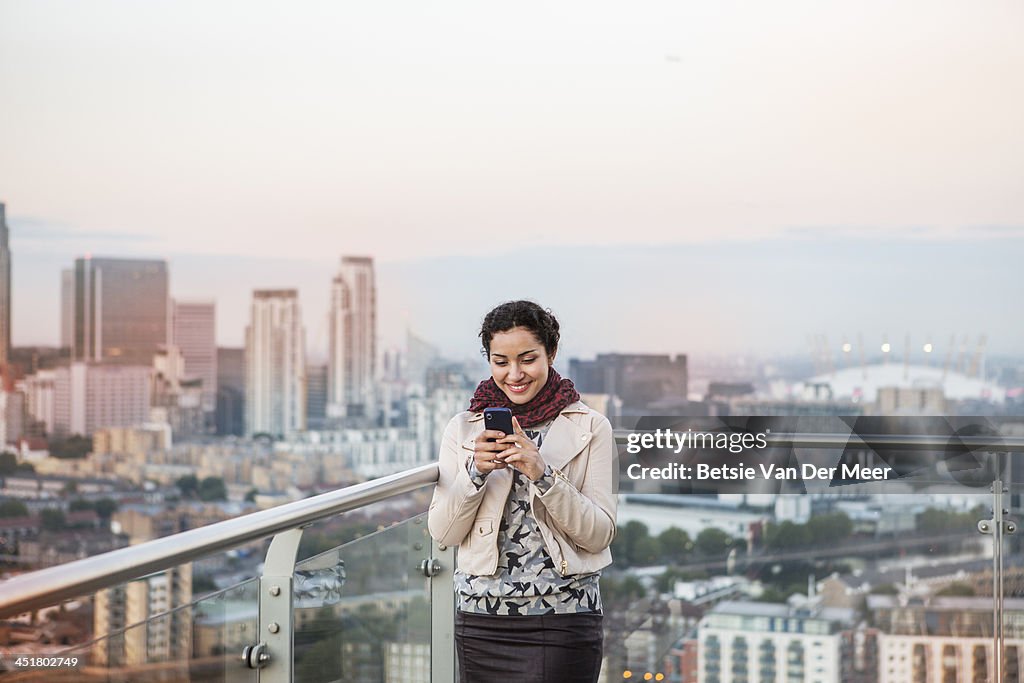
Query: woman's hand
point(485, 451)
point(521, 453)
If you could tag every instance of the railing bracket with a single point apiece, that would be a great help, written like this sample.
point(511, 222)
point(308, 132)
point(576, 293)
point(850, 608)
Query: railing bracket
point(431, 567)
point(256, 656)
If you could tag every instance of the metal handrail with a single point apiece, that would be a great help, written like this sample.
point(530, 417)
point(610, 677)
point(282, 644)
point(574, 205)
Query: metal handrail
point(52, 585)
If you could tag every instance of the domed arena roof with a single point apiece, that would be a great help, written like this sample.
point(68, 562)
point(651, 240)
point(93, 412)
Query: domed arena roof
point(861, 384)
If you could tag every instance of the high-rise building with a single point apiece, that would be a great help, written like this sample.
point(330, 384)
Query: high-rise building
point(91, 396)
point(193, 331)
point(316, 395)
point(353, 339)
point(39, 397)
point(5, 290)
point(275, 364)
point(643, 382)
point(230, 391)
point(120, 310)
point(67, 307)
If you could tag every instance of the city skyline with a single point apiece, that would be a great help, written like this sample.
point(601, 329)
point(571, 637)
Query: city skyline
point(667, 299)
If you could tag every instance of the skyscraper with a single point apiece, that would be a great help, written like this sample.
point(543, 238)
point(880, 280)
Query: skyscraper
point(353, 339)
point(193, 331)
point(230, 391)
point(67, 307)
point(120, 313)
point(5, 290)
point(275, 364)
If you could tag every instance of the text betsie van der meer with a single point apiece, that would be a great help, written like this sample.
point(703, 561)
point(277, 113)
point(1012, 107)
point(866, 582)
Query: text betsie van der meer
point(666, 440)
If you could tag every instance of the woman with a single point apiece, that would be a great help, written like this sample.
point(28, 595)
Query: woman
point(533, 513)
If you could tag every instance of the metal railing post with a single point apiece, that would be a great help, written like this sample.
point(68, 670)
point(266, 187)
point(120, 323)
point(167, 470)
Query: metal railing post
point(999, 527)
point(442, 614)
point(274, 654)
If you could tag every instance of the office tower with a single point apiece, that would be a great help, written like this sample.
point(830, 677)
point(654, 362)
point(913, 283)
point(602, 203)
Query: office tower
point(193, 331)
point(275, 364)
point(5, 290)
point(230, 391)
point(67, 307)
point(120, 310)
point(353, 339)
point(316, 395)
point(91, 396)
point(39, 396)
point(177, 399)
point(643, 382)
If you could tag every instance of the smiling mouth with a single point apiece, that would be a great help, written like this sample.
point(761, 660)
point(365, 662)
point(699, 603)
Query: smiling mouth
point(518, 388)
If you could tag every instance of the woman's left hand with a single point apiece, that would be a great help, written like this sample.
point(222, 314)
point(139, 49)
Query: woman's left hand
point(522, 453)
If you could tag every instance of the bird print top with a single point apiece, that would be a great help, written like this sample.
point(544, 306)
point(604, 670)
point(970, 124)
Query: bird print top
point(526, 581)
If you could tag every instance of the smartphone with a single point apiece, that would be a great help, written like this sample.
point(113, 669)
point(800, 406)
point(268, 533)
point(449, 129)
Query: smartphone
point(499, 419)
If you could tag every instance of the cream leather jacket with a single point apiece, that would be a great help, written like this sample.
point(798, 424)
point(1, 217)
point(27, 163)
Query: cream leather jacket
point(576, 516)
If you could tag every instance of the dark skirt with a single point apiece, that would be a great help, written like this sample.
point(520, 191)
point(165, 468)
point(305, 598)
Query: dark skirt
point(562, 648)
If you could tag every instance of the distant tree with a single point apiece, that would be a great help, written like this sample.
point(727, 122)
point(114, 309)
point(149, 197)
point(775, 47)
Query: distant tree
point(79, 504)
point(188, 485)
point(773, 594)
point(8, 463)
point(713, 542)
point(626, 538)
point(52, 519)
point(70, 488)
point(105, 507)
point(936, 521)
point(675, 544)
point(885, 589)
point(250, 497)
point(957, 590)
point(13, 508)
point(829, 528)
point(212, 488)
point(76, 446)
point(787, 535)
point(646, 552)
point(621, 591)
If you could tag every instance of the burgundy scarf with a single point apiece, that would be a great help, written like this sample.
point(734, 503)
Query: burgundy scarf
point(556, 394)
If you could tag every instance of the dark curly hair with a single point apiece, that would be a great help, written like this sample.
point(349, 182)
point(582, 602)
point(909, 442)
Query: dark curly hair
point(526, 314)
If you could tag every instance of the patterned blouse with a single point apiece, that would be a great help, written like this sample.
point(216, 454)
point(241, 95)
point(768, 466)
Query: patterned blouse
point(526, 581)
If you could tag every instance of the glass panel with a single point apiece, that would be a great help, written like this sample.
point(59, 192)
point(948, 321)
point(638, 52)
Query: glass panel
point(362, 610)
point(844, 580)
point(202, 641)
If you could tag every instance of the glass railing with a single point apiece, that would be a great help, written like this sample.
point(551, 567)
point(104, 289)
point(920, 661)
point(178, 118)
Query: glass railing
point(841, 582)
point(362, 610)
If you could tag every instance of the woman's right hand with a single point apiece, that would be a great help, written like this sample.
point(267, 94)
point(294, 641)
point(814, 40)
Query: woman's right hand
point(484, 450)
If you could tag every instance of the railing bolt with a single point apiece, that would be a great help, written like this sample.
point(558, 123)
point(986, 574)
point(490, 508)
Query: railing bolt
point(273, 627)
point(442, 546)
point(275, 590)
point(983, 527)
point(417, 546)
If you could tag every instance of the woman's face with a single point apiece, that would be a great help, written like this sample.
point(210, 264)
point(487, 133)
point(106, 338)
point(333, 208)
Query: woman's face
point(519, 363)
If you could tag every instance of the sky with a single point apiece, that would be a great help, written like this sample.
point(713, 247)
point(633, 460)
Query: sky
point(770, 170)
